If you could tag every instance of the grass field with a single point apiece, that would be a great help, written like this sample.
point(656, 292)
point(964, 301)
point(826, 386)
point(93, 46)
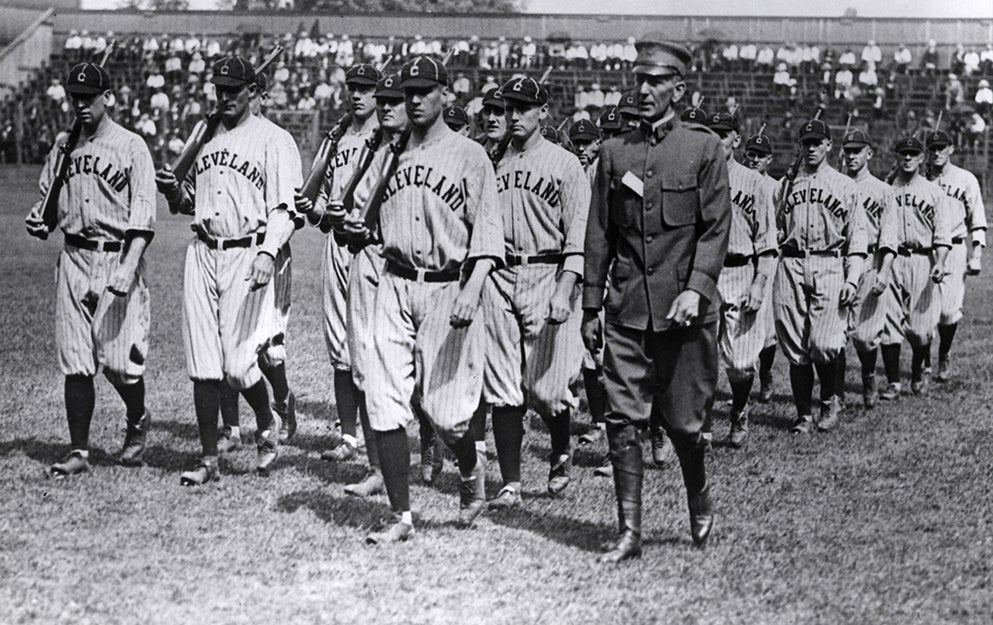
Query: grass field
point(887, 520)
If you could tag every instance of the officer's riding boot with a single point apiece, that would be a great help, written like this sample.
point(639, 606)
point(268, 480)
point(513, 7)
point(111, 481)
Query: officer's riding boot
point(692, 455)
point(625, 453)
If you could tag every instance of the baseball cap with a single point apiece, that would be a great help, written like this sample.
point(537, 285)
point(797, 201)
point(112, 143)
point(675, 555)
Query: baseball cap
point(524, 89)
point(551, 134)
point(423, 71)
point(87, 79)
point(362, 75)
point(456, 117)
point(657, 56)
point(908, 144)
point(233, 71)
point(389, 87)
point(722, 121)
point(856, 138)
point(759, 143)
point(609, 120)
point(815, 129)
point(629, 104)
point(938, 139)
point(493, 98)
point(696, 115)
point(583, 130)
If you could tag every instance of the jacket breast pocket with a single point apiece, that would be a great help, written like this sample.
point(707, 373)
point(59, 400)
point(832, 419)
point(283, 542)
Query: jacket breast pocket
point(679, 200)
point(625, 205)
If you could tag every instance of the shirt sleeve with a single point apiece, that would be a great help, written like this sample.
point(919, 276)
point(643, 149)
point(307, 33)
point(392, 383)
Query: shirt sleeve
point(282, 173)
point(575, 211)
point(715, 222)
point(765, 219)
point(600, 236)
point(141, 217)
point(975, 211)
point(943, 210)
point(486, 227)
point(889, 223)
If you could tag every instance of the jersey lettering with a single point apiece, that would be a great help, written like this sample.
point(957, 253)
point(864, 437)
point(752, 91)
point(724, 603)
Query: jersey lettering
point(744, 201)
point(925, 210)
point(90, 164)
point(956, 193)
point(225, 158)
point(548, 190)
point(452, 194)
point(816, 196)
point(341, 158)
point(872, 209)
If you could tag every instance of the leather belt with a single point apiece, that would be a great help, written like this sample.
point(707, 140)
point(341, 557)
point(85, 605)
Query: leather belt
point(870, 249)
point(421, 275)
point(93, 245)
point(737, 260)
point(792, 252)
point(907, 251)
point(957, 240)
point(514, 260)
point(215, 243)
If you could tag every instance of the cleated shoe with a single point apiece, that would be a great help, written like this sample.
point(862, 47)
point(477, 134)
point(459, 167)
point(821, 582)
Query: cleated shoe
point(200, 474)
point(227, 442)
point(739, 429)
point(134, 441)
point(432, 461)
point(892, 392)
point(870, 391)
point(944, 370)
point(606, 468)
point(342, 452)
point(802, 425)
point(662, 450)
point(396, 532)
point(830, 414)
point(371, 484)
point(472, 495)
point(508, 497)
point(558, 472)
point(74, 464)
point(287, 412)
point(267, 443)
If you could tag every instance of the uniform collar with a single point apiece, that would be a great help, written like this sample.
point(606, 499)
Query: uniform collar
point(659, 129)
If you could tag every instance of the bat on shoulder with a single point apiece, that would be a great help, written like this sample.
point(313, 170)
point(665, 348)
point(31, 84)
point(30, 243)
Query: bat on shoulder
point(318, 169)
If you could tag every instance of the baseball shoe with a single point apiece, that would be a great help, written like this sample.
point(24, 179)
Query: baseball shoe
point(342, 452)
point(396, 532)
point(765, 389)
point(802, 425)
point(287, 412)
point(508, 497)
point(134, 441)
point(919, 387)
point(944, 370)
point(592, 436)
point(432, 461)
point(606, 468)
point(662, 450)
point(701, 517)
point(870, 391)
point(739, 428)
point(892, 392)
point(204, 472)
point(472, 494)
point(830, 412)
point(267, 443)
point(227, 442)
point(74, 464)
point(371, 484)
point(560, 465)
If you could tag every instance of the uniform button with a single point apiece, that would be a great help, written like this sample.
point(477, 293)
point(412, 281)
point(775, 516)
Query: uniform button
point(649, 173)
point(87, 200)
point(651, 270)
point(648, 239)
point(221, 172)
point(218, 193)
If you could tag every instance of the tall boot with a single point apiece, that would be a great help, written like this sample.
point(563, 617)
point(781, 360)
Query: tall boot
point(625, 453)
point(692, 457)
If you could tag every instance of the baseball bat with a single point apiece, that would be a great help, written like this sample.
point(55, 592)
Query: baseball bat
point(204, 130)
point(794, 169)
point(370, 212)
point(312, 185)
point(50, 204)
point(347, 198)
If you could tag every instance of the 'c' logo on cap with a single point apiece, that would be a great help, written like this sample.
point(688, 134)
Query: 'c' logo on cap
point(82, 76)
point(518, 85)
point(361, 71)
point(810, 126)
point(414, 70)
point(225, 70)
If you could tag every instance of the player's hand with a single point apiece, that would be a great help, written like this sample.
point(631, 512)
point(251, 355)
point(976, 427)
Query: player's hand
point(165, 181)
point(36, 227)
point(120, 280)
point(848, 293)
point(880, 284)
point(592, 331)
point(302, 205)
point(260, 273)
point(684, 308)
point(464, 309)
point(938, 273)
point(975, 262)
point(559, 306)
point(354, 227)
point(753, 299)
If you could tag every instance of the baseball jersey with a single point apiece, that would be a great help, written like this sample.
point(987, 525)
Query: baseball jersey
point(440, 208)
point(341, 164)
point(822, 213)
point(753, 216)
point(545, 195)
point(968, 212)
point(109, 187)
point(875, 197)
point(919, 219)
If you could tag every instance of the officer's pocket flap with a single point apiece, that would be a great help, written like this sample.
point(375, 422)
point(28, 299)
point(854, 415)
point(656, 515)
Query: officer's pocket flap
point(679, 199)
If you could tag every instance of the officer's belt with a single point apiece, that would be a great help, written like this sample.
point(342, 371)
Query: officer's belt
point(93, 245)
point(215, 243)
point(514, 260)
point(737, 260)
point(792, 252)
point(958, 240)
point(907, 251)
point(421, 275)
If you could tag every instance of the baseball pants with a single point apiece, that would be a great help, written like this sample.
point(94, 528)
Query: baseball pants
point(282, 285)
point(364, 276)
point(225, 325)
point(766, 312)
point(952, 288)
point(334, 289)
point(530, 361)
point(811, 324)
point(871, 313)
point(916, 302)
point(742, 334)
point(95, 329)
point(418, 357)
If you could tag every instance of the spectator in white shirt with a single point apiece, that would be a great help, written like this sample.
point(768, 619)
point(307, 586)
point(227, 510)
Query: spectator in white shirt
point(461, 87)
point(868, 76)
point(73, 45)
point(173, 67)
point(871, 54)
point(612, 97)
point(56, 92)
point(971, 62)
point(192, 45)
point(984, 98)
point(730, 56)
point(986, 60)
point(197, 65)
point(842, 82)
point(598, 55)
point(155, 80)
point(747, 53)
point(765, 58)
point(902, 59)
point(159, 101)
point(953, 91)
point(595, 96)
point(213, 48)
point(847, 59)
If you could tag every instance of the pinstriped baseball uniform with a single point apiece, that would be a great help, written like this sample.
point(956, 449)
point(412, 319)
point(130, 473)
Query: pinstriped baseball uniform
point(766, 312)
point(440, 210)
point(968, 219)
point(876, 198)
point(109, 190)
point(544, 200)
point(753, 232)
point(244, 181)
point(821, 215)
point(916, 224)
point(334, 266)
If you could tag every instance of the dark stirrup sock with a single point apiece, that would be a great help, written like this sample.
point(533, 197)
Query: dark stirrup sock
point(79, 399)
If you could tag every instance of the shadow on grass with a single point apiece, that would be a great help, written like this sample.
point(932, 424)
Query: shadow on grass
point(346, 511)
point(561, 529)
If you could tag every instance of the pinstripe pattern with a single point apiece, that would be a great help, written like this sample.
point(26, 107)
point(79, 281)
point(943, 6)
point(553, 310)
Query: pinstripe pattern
point(439, 210)
point(753, 216)
point(282, 285)
point(914, 302)
point(766, 313)
point(952, 288)
point(544, 198)
point(109, 191)
point(968, 218)
point(876, 199)
point(364, 277)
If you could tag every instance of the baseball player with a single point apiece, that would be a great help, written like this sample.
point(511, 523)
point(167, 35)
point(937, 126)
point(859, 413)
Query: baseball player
point(272, 359)
point(442, 234)
point(758, 156)
point(968, 240)
point(585, 140)
point(457, 120)
point(629, 110)
point(534, 350)
point(361, 81)
point(750, 261)
point(494, 123)
point(240, 192)
point(868, 310)
point(695, 115)
point(823, 245)
point(106, 210)
point(610, 123)
point(914, 239)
